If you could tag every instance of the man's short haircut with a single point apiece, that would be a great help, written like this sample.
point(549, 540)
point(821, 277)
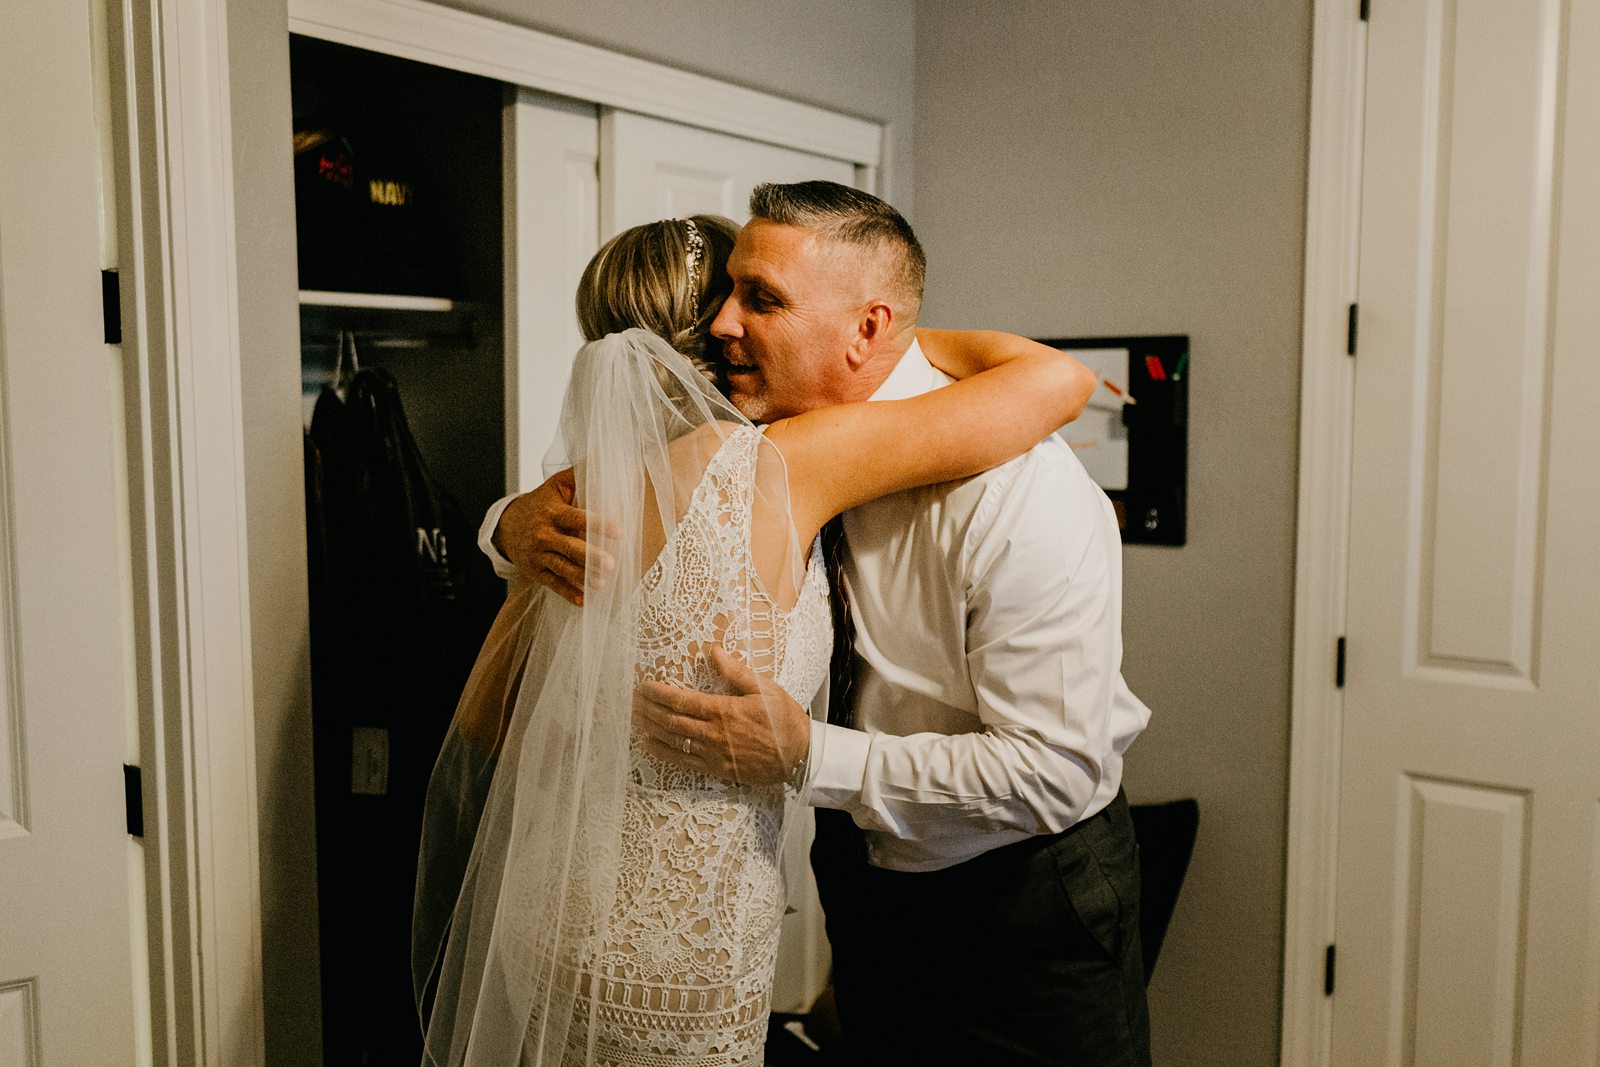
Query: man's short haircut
point(850, 216)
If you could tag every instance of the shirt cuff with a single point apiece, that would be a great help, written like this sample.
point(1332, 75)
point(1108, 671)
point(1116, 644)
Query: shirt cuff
point(838, 765)
point(502, 566)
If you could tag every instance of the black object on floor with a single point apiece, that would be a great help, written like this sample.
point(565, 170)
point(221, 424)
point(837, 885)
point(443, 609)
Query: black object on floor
point(1166, 835)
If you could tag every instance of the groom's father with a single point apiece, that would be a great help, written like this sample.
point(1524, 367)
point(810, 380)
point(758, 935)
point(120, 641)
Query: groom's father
point(977, 867)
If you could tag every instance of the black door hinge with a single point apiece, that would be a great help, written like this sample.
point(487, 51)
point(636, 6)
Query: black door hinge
point(1365, 9)
point(111, 306)
point(133, 794)
point(1338, 664)
point(1327, 972)
point(1350, 332)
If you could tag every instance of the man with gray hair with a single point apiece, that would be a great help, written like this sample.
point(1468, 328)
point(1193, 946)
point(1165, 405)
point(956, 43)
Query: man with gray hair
point(974, 851)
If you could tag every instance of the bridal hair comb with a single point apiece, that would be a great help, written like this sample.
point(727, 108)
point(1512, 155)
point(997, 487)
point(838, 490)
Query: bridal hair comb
point(697, 249)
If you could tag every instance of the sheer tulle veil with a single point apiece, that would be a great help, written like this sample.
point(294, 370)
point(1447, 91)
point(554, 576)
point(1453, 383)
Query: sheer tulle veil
point(520, 850)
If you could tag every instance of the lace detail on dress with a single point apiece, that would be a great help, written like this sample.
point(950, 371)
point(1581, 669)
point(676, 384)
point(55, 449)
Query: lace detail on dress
point(685, 974)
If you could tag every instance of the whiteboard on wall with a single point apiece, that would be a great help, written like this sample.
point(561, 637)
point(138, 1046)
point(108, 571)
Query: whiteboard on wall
point(1098, 436)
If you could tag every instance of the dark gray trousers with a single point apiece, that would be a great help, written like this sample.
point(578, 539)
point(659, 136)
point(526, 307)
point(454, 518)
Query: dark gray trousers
point(1027, 954)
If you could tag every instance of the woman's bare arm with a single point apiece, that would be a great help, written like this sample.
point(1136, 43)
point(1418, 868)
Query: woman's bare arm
point(1018, 392)
point(963, 353)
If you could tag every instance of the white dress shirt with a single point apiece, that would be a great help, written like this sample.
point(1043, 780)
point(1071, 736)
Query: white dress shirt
point(989, 699)
point(502, 566)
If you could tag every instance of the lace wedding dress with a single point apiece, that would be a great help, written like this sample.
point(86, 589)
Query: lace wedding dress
point(684, 976)
point(579, 901)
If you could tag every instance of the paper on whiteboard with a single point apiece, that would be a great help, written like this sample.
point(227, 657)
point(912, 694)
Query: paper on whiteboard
point(1098, 436)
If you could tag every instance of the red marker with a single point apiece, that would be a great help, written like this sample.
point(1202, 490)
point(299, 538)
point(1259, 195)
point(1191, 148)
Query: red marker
point(1124, 397)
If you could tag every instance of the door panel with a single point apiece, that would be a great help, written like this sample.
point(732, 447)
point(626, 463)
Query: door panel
point(66, 963)
point(552, 150)
point(1470, 797)
point(579, 175)
point(653, 169)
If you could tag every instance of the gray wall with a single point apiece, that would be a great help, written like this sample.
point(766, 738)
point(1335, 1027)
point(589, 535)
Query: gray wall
point(832, 53)
point(840, 54)
point(1139, 168)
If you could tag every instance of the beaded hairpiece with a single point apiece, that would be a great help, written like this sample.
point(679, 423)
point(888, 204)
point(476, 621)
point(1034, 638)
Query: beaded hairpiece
point(697, 250)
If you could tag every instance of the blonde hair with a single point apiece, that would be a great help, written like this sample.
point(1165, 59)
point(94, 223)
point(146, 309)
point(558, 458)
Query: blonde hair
point(641, 279)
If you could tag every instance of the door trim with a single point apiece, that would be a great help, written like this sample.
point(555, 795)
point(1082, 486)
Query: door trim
point(1333, 212)
point(475, 44)
point(172, 147)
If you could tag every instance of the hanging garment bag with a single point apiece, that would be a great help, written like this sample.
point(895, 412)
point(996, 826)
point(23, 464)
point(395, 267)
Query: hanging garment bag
point(392, 565)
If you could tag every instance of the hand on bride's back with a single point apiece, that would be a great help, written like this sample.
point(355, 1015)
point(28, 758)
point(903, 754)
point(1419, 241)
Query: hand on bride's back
point(542, 533)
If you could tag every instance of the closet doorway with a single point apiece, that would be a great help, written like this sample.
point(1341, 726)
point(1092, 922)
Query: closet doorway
point(468, 305)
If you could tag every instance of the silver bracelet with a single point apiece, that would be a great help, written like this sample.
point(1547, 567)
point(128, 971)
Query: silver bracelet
point(797, 777)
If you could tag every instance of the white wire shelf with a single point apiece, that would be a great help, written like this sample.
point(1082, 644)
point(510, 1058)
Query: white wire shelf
point(376, 301)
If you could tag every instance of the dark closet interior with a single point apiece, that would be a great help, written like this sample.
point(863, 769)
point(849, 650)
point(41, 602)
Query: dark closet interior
point(398, 192)
point(441, 131)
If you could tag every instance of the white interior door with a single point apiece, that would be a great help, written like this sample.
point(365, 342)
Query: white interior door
point(576, 175)
point(66, 959)
point(654, 169)
point(1468, 901)
point(552, 150)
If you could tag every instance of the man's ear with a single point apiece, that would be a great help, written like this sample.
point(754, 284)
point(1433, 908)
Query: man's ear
point(873, 328)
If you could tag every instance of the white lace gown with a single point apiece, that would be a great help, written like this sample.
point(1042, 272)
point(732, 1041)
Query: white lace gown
point(685, 976)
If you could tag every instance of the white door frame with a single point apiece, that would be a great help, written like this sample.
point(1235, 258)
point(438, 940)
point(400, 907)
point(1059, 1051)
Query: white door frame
point(191, 624)
point(174, 166)
point(1333, 214)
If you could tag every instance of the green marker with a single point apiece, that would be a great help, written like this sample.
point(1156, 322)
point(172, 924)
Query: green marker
point(1183, 361)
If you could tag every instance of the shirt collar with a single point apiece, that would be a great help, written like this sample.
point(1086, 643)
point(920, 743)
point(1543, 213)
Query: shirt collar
point(912, 376)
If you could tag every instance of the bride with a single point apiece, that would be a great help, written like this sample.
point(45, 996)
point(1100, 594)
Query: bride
point(579, 900)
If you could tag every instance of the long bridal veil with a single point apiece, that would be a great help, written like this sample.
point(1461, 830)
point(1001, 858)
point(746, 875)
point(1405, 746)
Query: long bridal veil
point(521, 851)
